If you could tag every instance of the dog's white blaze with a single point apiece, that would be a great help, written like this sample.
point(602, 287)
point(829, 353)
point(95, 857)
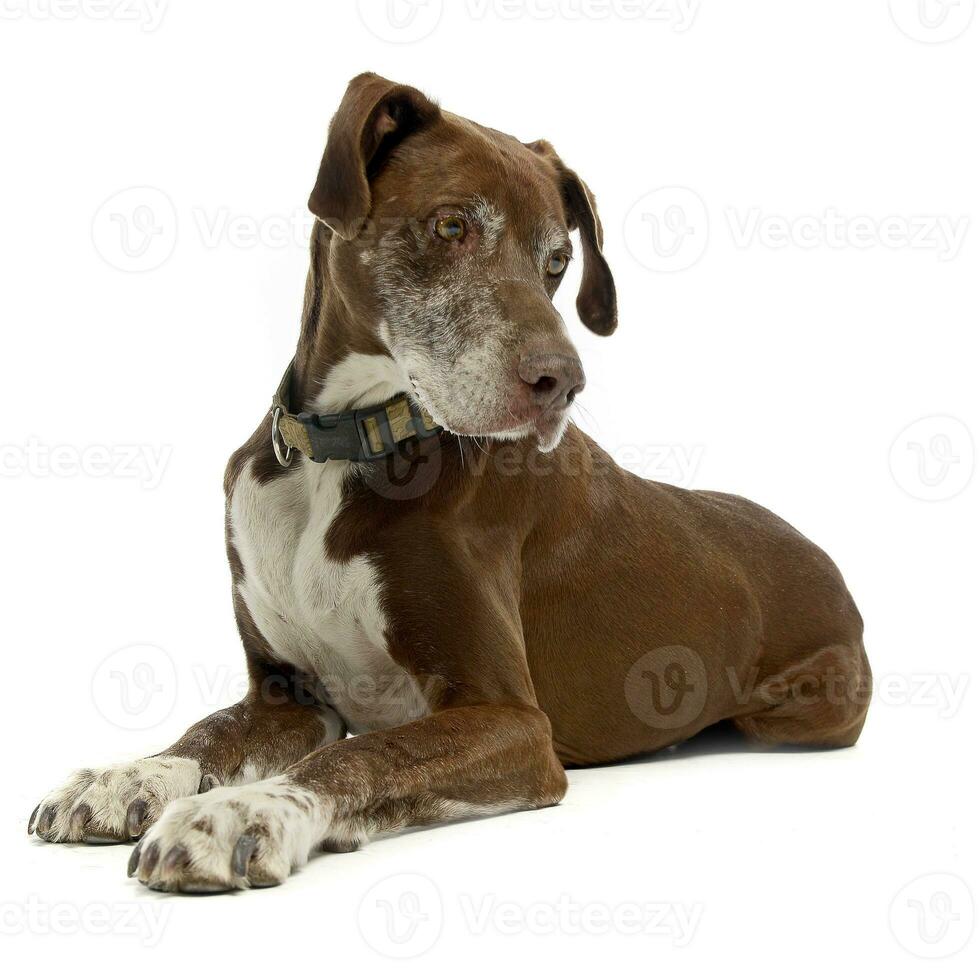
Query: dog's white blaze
point(322, 616)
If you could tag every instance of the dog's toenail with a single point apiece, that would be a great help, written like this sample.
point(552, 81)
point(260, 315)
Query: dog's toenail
point(208, 782)
point(134, 861)
point(149, 860)
point(135, 816)
point(175, 859)
point(79, 817)
point(47, 818)
point(242, 854)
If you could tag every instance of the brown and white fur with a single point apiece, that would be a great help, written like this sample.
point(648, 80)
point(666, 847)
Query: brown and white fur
point(479, 619)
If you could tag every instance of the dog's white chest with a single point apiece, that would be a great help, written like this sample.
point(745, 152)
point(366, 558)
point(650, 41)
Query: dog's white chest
point(322, 616)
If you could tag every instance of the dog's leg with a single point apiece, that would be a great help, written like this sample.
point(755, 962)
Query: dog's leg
point(255, 738)
point(457, 762)
point(821, 701)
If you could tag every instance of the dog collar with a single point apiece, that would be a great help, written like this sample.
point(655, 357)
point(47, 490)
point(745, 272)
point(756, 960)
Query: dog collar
point(360, 435)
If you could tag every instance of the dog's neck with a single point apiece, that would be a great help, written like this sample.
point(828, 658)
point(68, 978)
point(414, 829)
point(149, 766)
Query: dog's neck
point(340, 361)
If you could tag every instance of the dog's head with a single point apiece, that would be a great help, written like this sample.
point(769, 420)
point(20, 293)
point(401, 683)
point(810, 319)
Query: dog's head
point(451, 239)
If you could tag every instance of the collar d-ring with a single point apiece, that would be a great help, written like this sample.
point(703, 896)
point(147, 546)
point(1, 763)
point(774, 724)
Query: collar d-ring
point(283, 452)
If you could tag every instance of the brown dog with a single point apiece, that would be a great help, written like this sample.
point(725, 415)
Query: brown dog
point(460, 578)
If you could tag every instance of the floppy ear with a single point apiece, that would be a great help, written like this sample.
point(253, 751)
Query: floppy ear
point(596, 302)
point(373, 117)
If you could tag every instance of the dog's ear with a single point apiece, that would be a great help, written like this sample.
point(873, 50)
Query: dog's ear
point(596, 302)
point(373, 117)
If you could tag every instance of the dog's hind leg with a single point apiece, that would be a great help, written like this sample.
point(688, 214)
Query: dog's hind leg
point(260, 736)
point(821, 701)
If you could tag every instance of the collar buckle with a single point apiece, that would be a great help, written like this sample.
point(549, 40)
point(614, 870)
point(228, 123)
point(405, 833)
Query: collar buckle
point(363, 435)
point(374, 429)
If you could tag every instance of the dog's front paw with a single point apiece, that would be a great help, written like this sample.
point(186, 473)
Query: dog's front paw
point(232, 837)
point(115, 804)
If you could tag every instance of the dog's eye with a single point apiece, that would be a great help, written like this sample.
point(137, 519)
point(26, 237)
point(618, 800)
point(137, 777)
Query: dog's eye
point(451, 228)
point(556, 264)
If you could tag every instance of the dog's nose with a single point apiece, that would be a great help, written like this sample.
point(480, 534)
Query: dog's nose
point(554, 379)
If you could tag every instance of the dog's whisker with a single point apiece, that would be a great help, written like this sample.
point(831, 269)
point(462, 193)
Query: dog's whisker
point(583, 411)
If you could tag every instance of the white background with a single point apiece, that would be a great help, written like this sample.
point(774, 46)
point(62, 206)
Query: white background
point(803, 304)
